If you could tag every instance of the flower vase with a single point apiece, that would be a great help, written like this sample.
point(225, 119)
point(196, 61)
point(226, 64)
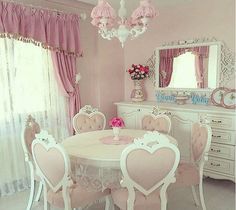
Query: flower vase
point(116, 132)
point(137, 93)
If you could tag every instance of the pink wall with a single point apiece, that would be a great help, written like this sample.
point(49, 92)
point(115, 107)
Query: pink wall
point(193, 19)
point(102, 70)
point(110, 75)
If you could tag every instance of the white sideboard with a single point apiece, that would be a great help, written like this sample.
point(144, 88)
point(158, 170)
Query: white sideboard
point(221, 164)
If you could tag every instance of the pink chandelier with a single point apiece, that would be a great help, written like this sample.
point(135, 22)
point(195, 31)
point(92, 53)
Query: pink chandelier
point(104, 17)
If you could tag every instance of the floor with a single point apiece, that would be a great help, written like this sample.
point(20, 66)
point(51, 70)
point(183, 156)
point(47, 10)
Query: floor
point(219, 195)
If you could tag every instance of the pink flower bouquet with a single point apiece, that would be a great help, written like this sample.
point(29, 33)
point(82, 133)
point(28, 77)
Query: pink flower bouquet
point(117, 122)
point(138, 72)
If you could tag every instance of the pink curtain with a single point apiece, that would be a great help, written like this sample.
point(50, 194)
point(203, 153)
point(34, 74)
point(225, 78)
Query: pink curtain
point(50, 29)
point(201, 53)
point(166, 69)
point(199, 71)
point(65, 66)
point(166, 63)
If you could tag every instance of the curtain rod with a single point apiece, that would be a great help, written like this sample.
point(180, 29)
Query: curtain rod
point(83, 15)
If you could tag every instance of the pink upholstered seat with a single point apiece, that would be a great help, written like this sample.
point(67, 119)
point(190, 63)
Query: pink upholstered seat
point(148, 167)
point(158, 122)
point(54, 169)
point(191, 174)
point(79, 196)
point(88, 119)
point(187, 174)
point(27, 137)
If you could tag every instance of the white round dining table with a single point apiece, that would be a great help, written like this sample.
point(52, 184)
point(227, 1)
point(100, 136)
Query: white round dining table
point(95, 163)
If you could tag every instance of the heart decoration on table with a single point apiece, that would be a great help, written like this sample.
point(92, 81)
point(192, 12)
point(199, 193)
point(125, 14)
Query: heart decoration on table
point(224, 97)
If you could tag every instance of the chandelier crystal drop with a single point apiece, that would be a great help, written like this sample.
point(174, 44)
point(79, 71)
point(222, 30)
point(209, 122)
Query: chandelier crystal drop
point(104, 17)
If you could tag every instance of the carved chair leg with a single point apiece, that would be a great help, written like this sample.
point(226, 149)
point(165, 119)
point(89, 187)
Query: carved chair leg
point(195, 195)
point(46, 205)
point(202, 196)
point(109, 203)
point(40, 188)
point(32, 192)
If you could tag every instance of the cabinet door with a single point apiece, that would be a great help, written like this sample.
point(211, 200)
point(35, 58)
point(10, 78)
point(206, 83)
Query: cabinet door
point(129, 115)
point(181, 127)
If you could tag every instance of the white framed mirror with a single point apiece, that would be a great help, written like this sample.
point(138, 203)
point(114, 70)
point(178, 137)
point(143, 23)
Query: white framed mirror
point(188, 66)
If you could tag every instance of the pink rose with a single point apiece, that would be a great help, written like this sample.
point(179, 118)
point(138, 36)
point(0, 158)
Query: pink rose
point(116, 122)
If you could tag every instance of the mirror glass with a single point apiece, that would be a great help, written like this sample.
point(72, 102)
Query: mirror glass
point(188, 66)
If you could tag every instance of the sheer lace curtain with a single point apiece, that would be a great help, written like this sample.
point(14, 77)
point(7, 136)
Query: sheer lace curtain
point(28, 86)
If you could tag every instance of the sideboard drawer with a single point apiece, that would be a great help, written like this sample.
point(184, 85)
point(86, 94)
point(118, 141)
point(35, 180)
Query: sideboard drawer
point(216, 121)
point(222, 151)
point(220, 165)
point(223, 136)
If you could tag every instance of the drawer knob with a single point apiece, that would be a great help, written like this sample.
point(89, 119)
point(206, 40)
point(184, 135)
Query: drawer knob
point(215, 150)
point(214, 136)
point(216, 121)
point(215, 164)
point(167, 113)
point(139, 110)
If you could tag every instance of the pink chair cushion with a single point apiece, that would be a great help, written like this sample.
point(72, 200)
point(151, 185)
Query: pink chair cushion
point(157, 164)
point(85, 123)
point(151, 202)
point(199, 140)
point(51, 162)
point(155, 124)
point(187, 174)
point(80, 196)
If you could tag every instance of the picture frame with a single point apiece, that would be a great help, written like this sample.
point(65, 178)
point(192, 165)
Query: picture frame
point(224, 97)
point(229, 99)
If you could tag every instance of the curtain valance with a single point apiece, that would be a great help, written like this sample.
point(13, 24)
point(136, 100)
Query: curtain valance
point(171, 53)
point(50, 29)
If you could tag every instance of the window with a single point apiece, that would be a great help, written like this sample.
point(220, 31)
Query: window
point(28, 86)
point(183, 75)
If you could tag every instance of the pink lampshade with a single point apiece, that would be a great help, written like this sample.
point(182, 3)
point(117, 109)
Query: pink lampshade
point(144, 10)
point(103, 11)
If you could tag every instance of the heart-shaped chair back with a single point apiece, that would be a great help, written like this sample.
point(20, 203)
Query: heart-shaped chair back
point(85, 123)
point(28, 134)
point(145, 167)
point(201, 140)
point(88, 119)
point(161, 123)
point(51, 162)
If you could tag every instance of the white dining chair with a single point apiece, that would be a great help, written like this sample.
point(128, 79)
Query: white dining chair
point(29, 131)
point(191, 173)
point(158, 122)
point(88, 119)
point(53, 167)
point(148, 167)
